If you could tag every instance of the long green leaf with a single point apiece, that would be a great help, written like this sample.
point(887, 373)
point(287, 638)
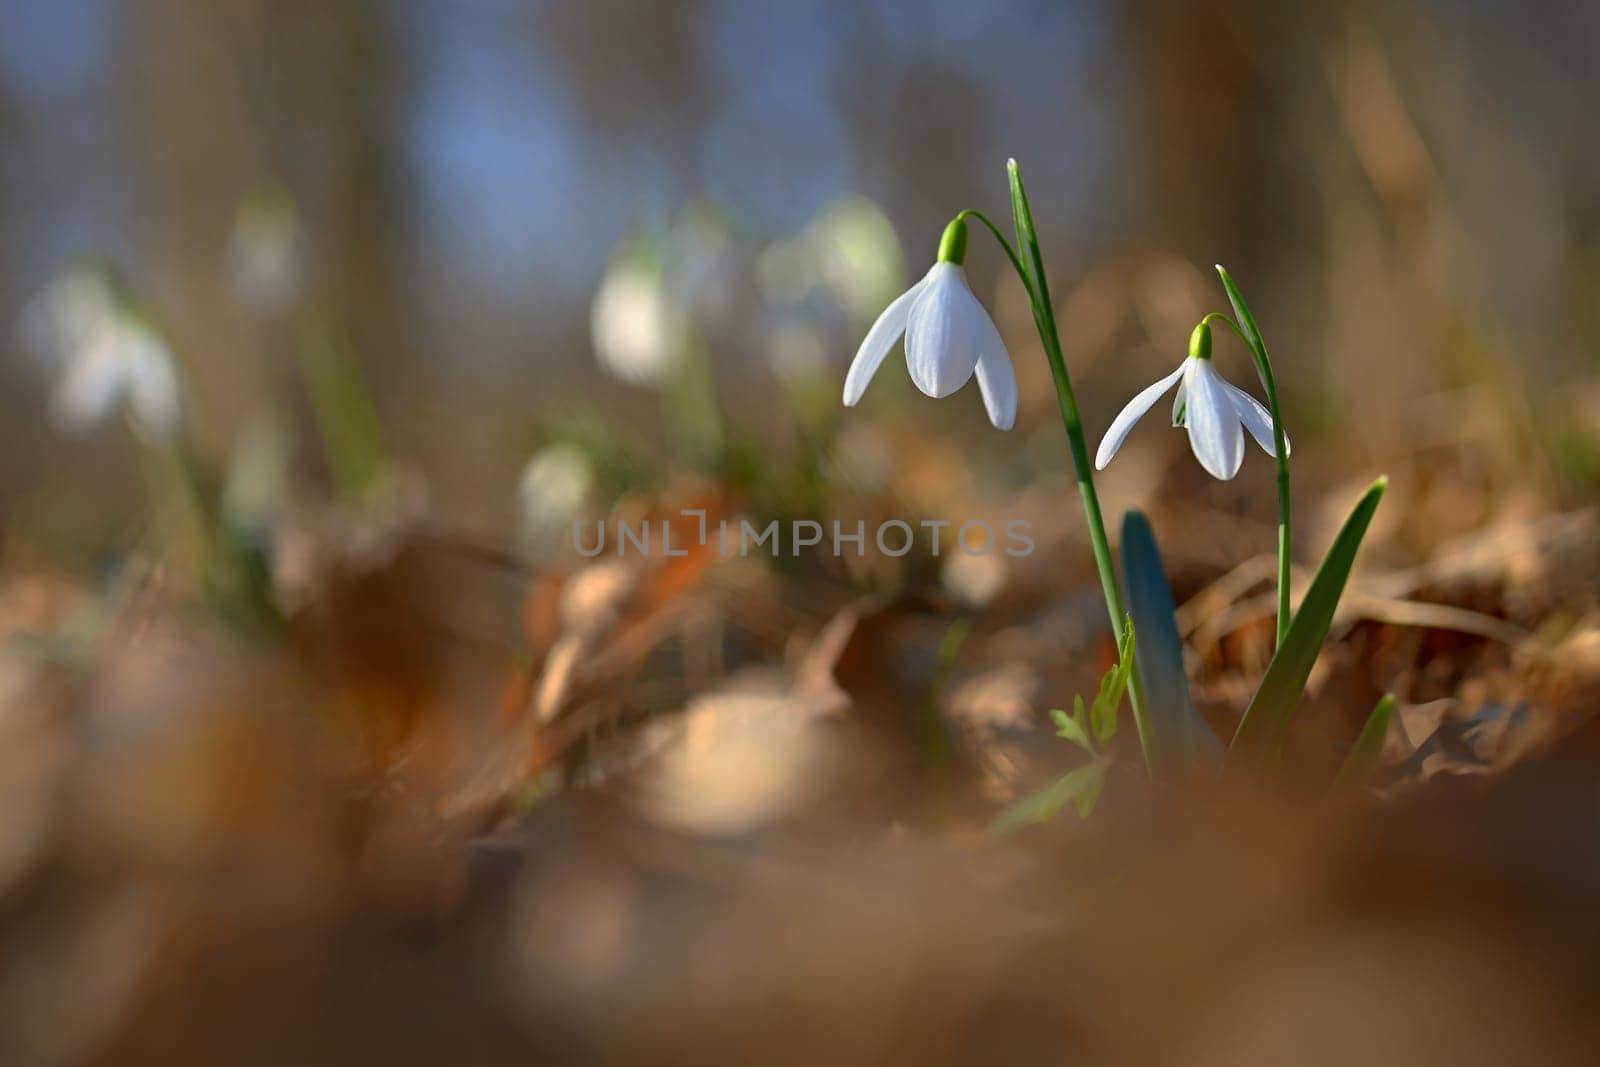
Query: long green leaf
point(1258, 355)
point(1159, 649)
point(1363, 756)
point(1044, 318)
point(1259, 741)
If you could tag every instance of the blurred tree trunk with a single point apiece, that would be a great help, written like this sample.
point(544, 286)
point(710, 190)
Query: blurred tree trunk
point(246, 92)
point(1208, 156)
point(202, 150)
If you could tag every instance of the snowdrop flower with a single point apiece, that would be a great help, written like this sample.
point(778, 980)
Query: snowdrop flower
point(553, 487)
point(949, 337)
point(264, 253)
point(107, 354)
point(1215, 413)
point(635, 323)
point(126, 363)
point(63, 317)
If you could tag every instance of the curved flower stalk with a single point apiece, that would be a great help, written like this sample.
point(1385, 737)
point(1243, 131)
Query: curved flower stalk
point(949, 338)
point(1248, 332)
point(1215, 412)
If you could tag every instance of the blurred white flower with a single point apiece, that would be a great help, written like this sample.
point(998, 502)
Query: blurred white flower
point(256, 490)
point(701, 264)
point(855, 247)
point(554, 485)
point(635, 324)
point(1215, 413)
point(976, 580)
point(264, 255)
point(106, 355)
point(68, 312)
point(949, 337)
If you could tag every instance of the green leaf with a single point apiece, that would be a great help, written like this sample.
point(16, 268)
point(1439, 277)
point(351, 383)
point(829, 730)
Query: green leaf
point(1022, 221)
point(1103, 712)
point(1087, 794)
point(1072, 726)
point(1363, 756)
point(1280, 451)
point(1247, 321)
point(1174, 726)
point(1259, 741)
point(345, 412)
point(1080, 786)
point(1031, 263)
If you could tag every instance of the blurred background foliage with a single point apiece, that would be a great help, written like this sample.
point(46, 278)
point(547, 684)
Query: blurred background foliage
point(1407, 191)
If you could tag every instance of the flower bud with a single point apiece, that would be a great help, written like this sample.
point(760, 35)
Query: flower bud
point(953, 245)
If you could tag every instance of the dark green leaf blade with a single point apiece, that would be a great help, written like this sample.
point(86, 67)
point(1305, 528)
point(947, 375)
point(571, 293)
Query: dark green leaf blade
point(1174, 726)
point(1363, 755)
point(1259, 740)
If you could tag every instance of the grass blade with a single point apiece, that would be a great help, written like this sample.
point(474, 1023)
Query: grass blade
point(1363, 757)
point(1259, 740)
point(1158, 656)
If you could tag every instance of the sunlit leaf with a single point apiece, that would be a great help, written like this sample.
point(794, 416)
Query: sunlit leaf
point(1103, 712)
point(1363, 756)
point(1080, 786)
point(1072, 727)
point(1259, 741)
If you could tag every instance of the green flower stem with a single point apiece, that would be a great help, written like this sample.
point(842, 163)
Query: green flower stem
point(1251, 336)
point(1005, 245)
point(1044, 319)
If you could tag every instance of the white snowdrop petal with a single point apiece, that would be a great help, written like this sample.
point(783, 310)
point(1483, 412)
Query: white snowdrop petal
point(152, 383)
point(1179, 399)
point(635, 326)
point(998, 384)
point(65, 318)
point(1256, 418)
point(879, 342)
point(1215, 433)
point(1132, 413)
point(942, 332)
point(91, 386)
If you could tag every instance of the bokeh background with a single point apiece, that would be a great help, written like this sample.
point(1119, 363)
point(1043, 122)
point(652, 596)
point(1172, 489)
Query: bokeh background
point(1408, 192)
point(319, 743)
